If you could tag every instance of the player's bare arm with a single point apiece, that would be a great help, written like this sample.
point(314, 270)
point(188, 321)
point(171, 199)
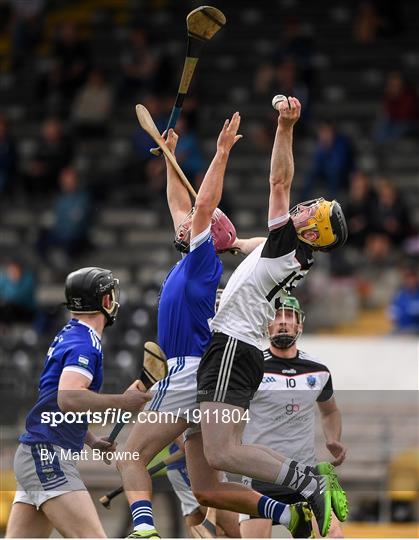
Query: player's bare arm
point(332, 428)
point(74, 395)
point(247, 245)
point(177, 195)
point(209, 194)
point(282, 160)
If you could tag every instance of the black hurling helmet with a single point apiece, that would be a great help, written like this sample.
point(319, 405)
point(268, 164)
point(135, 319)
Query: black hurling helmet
point(85, 289)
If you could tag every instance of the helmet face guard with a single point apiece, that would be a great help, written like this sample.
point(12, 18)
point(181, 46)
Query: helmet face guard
point(183, 233)
point(222, 230)
point(112, 312)
point(324, 219)
point(86, 288)
point(290, 327)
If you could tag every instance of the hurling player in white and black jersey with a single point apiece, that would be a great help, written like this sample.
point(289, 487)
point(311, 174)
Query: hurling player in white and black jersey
point(232, 367)
point(282, 415)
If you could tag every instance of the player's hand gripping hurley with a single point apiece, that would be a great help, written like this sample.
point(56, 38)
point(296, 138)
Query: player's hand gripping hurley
point(154, 369)
point(147, 123)
point(226, 140)
point(202, 24)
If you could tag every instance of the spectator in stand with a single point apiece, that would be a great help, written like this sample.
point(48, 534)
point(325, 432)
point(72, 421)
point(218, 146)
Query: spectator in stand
point(71, 56)
point(17, 293)
point(390, 226)
point(399, 110)
point(27, 22)
point(284, 76)
point(359, 208)
point(367, 23)
point(72, 213)
point(294, 46)
point(49, 91)
point(139, 65)
point(391, 214)
point(333, 162)
point(188, 153)
point(8, 158)
point(92, 106)
point(189, 157)
point(146, 174)
point(404, 308)
point(53, 152)
point(378, 18)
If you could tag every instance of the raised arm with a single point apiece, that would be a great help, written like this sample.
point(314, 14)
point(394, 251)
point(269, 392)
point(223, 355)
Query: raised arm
point(209, 194)
point(282, 160)
point(247, 245)
point(178, 197)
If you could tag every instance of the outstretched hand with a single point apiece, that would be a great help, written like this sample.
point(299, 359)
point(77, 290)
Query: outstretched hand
point(228, 135)
point(289, 112)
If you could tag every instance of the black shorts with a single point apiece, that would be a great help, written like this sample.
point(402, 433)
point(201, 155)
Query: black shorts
point(230, 371)
point(278, 493)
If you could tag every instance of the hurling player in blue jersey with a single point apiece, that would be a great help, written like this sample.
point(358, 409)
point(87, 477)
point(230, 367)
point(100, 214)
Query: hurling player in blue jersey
point(50, 492)
point(186, 307)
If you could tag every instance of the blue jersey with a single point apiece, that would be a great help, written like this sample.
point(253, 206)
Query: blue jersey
point(76, 348)
point(187, 300)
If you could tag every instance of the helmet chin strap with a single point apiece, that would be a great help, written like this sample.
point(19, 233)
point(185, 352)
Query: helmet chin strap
point(283, 341)
point(110, 313)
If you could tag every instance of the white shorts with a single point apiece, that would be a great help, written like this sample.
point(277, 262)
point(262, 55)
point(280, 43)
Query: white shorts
point(40, 478)
point(177, 392)
point(182, 487)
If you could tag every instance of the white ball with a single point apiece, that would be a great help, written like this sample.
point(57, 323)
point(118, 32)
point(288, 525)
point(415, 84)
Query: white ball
point(276, 100)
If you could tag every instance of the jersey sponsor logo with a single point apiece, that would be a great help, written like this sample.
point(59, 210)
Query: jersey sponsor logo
point(311, 381)
point(291, 371)
point(291, 408)
point(268, 379)
point(83, 360)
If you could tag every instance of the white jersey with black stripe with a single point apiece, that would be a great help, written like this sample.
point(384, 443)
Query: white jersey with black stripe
point(282, 412)
point(271, 270)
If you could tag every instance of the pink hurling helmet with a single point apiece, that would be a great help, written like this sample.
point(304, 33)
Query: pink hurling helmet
point(222, 231)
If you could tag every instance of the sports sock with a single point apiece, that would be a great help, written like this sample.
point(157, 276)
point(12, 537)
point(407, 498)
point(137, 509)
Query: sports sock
point(278, 512)
point(307, 469)
point(142, 515)
point(296, 478)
